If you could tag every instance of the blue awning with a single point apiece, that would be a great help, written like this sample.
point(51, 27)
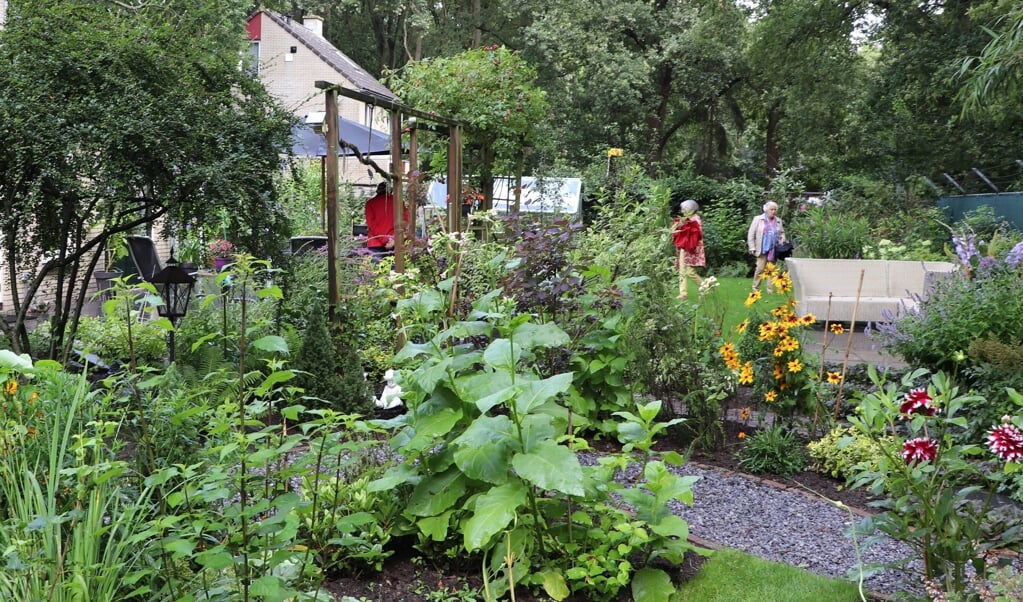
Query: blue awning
point(354, 138)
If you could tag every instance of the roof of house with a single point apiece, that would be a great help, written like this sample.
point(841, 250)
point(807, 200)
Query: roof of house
point(348, 68)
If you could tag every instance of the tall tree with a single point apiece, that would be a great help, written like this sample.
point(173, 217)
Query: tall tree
point(998, 71)
point(114, 116)
point(915, 123)
point(653, 76)
point(805, 73)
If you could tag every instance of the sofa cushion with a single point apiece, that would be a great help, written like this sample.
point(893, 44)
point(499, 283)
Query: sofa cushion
point(908, 278)
point(827, 288)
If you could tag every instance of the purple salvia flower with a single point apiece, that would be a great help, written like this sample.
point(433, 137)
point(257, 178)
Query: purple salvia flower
point(1015, 256)
point(966, 249)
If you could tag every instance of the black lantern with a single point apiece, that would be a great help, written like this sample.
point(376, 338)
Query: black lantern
point(175, 286)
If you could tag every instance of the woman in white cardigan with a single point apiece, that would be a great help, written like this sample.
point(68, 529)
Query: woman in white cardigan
point(765, 232)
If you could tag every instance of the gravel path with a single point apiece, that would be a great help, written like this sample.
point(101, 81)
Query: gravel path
point(786, 526)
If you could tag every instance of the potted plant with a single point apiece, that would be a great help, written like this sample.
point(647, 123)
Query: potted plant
point(191, 253)
point(221, 251)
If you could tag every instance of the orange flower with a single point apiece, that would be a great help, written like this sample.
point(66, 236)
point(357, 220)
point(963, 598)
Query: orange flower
point(770, 396)
point(744, 414)
point(782, 284)
point(834, 377)
point(741, 435)
point(837, 329)
point(741, 326)
point(752, 298)
point(11, 388)
point(795, 366)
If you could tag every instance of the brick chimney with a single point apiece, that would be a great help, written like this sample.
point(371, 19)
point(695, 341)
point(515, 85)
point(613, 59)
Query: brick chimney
point(313, 23)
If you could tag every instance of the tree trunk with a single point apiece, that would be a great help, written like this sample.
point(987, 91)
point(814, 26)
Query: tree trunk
point(477, 31)
point(771, 167)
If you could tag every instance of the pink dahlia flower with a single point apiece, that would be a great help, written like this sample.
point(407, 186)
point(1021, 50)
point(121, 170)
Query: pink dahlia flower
point(918, 401)
point(1006, 442)
point(920, 449)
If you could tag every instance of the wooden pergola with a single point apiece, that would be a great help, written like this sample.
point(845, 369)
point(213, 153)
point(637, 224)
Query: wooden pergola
point(398, 113)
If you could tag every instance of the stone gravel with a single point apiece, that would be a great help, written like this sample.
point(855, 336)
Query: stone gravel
point(785, 525)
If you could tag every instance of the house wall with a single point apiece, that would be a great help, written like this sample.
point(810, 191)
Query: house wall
point(293, 81)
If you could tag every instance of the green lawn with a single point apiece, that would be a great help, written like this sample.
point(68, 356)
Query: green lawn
point(732, 576)
point(727, 301)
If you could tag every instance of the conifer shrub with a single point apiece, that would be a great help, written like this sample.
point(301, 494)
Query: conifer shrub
point(331, 370)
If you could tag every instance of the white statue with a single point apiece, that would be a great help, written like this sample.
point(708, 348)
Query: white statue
point(391, 395)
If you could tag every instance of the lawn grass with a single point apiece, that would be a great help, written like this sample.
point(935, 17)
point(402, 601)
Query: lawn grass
point(732, 576)
point(727, 301)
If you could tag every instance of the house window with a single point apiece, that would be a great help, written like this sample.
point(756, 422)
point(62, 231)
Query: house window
point(253, 59)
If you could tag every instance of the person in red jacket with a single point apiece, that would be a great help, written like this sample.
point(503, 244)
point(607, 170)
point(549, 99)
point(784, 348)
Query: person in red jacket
point(688, 237)
point(380, 221)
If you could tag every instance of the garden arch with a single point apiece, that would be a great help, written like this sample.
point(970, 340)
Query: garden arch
point(398, 112)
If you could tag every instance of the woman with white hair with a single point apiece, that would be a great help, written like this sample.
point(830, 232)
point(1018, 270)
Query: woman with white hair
point(688, 237)
point(765, 232)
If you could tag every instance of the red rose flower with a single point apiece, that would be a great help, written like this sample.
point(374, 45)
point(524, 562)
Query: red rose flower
point(920, 449)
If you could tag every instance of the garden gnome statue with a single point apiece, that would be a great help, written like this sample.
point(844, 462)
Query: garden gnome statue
point(391, 395)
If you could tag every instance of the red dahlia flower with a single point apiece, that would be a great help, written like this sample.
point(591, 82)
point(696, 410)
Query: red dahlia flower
point(920, 449)
point(918, 401)
point(1006, 442)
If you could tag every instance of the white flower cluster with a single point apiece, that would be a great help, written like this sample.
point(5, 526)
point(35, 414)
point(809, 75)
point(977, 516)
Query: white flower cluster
point(709, 283)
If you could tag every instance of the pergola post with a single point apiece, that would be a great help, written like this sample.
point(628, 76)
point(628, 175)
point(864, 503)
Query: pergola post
point(330, 131)
point(397, 192)
point(454, 179)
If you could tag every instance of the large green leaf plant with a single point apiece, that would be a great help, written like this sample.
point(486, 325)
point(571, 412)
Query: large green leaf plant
point(490, 454)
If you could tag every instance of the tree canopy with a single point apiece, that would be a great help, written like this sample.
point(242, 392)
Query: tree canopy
point(112, 117)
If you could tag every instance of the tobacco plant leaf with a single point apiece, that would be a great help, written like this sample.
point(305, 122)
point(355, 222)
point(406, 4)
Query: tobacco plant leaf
point(551, 467)
point(534, 393)
point(502, 354)
point(531, 335)
point(485, 448)
point(437, 493)
point(495, 509)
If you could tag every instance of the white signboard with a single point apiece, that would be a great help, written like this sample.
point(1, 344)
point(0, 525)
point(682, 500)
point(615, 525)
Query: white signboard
point(539, 195)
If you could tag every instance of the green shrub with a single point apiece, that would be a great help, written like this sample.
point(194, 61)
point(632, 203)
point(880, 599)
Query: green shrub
point(921, 250)
point(331, 371)
point(958, 312)
point(107, 337)
point(774, 450)
point(842, 448)
point(827, 232)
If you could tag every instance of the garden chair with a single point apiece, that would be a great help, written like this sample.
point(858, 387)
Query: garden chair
point(142, 250)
